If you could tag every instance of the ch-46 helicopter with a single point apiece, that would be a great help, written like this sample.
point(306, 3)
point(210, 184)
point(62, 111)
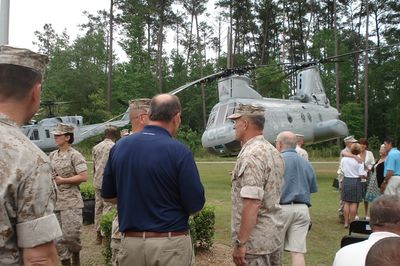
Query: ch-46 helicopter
point(40, 132)
point(308, 112)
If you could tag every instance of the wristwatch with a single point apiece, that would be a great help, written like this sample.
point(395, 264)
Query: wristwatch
point(238, 243)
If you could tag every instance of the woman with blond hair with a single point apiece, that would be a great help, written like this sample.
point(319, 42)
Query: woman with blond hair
point(351, 193)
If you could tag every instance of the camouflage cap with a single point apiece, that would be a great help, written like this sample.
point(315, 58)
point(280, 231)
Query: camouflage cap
point(247, 110)
point(62, 129)
point(140, 104)
point(299, 135)
point(23, 57)
point(124, 132)
point(350, 139)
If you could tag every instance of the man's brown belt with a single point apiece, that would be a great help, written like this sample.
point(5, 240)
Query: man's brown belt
point(153, 234)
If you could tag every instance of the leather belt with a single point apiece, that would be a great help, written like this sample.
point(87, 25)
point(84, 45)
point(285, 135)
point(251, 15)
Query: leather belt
point(154, 234)
point(293, 202)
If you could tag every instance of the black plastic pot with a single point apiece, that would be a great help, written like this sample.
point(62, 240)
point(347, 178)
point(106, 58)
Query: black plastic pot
point(88, 211)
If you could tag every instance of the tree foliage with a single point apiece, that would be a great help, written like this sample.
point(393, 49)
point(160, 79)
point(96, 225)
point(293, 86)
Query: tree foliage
point(263, 32)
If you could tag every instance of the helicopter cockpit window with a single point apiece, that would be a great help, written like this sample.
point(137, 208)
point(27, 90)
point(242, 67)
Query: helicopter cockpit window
point(47, 133)
point(34, 135)
point(309, 117)
point(289, 118)
point(211, 119)
point(221, 114)
point(231, 109)
point(303, 117)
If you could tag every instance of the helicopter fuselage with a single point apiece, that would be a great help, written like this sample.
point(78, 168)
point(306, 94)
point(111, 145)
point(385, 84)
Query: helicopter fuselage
point(307, 113)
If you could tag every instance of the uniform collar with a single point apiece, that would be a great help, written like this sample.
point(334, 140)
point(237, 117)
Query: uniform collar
point(5, 119)
point(250, 141)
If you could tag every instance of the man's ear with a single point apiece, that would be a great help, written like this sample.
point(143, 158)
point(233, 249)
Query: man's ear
point(36, 92)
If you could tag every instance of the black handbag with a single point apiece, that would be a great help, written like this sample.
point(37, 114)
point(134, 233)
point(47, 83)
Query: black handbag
point(335, 183)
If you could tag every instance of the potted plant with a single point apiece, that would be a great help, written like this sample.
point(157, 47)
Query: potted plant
point(87, 192)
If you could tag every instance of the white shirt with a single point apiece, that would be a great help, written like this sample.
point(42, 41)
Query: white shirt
point(351, 168)
point(355, 254)
point(369, 160)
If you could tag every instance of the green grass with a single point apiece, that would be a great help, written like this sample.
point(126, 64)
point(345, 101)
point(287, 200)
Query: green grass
point(324, 238)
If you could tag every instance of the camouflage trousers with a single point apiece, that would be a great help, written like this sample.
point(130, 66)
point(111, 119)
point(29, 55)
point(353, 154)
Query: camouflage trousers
point(273, 259)
point(115, 251)
point(71, 226)
point(100, 208)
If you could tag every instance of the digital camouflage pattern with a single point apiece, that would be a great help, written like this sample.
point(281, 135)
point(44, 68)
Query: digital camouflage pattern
point(100, 207)
point(71, 226)
point(100, 154)
point(27, 195)
point(62, 129)
point(67, 164)
point(115, 241)
point(247, 110)
point(302, 152)
point(258, 174)
point(23, 57)
point(69, 201)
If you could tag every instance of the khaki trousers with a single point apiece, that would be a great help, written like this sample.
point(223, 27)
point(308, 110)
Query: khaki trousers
point(393, 186)
point(165, 251)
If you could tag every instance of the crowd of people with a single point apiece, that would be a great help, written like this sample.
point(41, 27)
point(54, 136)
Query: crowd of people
point(152, 180)
point(363, 179)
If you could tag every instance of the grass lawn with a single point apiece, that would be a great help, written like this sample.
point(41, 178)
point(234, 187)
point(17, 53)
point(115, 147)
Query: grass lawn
point(324, 238)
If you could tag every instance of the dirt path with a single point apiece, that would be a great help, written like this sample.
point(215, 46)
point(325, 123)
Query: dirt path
point(91, 253)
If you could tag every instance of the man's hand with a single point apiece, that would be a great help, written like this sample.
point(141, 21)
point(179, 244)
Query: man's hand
point(383, 187)
point(238, 255)
point(59, 180)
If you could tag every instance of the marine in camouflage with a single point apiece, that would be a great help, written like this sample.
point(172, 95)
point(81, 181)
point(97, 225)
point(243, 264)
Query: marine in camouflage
point(27, 195)
point(258, 174)
point(69, 201)
point(100, 154)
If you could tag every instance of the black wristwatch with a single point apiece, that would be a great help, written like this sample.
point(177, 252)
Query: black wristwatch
point(238, 243)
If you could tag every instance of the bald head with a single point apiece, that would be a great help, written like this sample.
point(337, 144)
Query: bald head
point(163, 107)
point(287, 140)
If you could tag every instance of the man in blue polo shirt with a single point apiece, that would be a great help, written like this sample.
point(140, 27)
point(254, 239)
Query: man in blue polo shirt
point(391, 183)
point(157, 186)
point(299, 183)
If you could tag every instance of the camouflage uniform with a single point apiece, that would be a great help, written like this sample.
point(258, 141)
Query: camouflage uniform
point(27, 195)
point(100, 156)
point(258, 175)
point(69, 200)
point(115, 241)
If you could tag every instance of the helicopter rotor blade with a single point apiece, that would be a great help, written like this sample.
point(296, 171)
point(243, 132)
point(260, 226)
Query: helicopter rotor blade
point(201, 80)
point(357, 52)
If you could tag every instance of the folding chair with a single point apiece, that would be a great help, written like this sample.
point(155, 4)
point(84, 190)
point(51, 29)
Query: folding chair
point(351, 239)
point(360, 227)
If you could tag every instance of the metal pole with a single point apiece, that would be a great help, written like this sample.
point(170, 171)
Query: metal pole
point(110, 59)
point(4, 21)
point(366, 73)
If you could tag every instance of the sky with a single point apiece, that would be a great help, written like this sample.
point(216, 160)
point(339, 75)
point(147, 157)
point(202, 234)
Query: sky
point(28, 16)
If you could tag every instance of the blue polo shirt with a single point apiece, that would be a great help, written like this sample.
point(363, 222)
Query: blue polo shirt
point(155, 180)
point(299, 180)
point(392, 162)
